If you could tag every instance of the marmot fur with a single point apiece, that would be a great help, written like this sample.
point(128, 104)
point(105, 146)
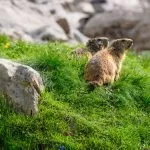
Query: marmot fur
point(104, 67)
point(92, 46)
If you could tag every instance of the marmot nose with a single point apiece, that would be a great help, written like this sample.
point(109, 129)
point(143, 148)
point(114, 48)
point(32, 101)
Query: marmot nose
point(130, 41)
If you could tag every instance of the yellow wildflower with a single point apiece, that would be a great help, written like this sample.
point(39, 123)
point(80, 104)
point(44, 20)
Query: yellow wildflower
point(7, 45)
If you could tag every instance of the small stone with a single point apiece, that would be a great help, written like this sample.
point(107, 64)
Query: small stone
point(61, 148)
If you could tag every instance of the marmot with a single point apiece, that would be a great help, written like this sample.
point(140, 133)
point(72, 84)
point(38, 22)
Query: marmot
point(92, 46)
point(96, 44)
point(104, 67)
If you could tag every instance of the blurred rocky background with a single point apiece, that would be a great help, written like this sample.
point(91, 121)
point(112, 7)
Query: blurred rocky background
point(75, 21)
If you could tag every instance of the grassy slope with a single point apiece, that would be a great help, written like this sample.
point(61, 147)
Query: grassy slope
point(114, 117)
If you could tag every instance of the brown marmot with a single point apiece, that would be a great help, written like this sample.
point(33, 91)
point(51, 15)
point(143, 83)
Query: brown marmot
point(92, 46)
point(104, 67)
point(95, 44)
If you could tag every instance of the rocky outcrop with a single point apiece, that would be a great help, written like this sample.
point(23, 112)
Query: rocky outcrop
point(22, 86)
point(122, 24)
point(25, 20)
point(38, 20)
point(128, 5)
point(112, 24)
point(75, 20)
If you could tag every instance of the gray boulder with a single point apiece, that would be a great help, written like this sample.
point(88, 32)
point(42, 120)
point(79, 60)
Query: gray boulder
point(46, 33)
point(122, 24)
point(78, 36)
point(24, 18)
point(128, 6)
point(42, 20)
point(86, 7)
point(22, 85)
point(60, 16)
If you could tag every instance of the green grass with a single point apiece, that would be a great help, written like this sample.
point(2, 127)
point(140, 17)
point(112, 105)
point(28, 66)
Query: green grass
point(116, 117)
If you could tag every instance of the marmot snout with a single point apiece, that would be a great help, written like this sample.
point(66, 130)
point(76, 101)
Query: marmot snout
point(104, 67)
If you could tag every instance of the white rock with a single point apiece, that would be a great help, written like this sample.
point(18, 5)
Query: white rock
point(26, 17)
point(74, 19)
point(86, 7)
point(60, 16)
point(22, 85)
point(78, 36)
point(127, 5)
point(46, 33)
point(122, 24)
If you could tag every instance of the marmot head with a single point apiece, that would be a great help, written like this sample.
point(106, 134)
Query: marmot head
point(97, 44)
point(121, 44)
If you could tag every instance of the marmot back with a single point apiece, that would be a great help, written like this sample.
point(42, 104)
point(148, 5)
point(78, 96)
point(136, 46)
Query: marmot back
point(104, 66)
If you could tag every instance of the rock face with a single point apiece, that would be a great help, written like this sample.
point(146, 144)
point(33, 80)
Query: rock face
point(37, 20)
point(122, 24)
point(128, 5)
point(26, 19)
point(72, 20)
point(112, 24)
point(22, 85)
